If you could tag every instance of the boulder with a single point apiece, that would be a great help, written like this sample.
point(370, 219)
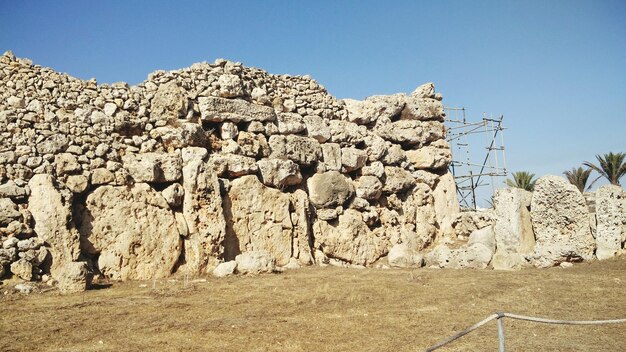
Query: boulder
point(401, 256)
point(169, 102)
point(102, 176)
point(279, 173)
point(76, 277)
point(133, 231)
point(233, 165)
point(225, 269)
point(154, 167)
point(51, 208)
point(174, 195)
point(559, 215)
point(203, 212)
point(258, 218)
point(332, 156)
point(66, 163)
point(374, 108)
point(22, 269)
point(352, 159)
point(8, 212)
point(316, 128)
point(426, 90)
point(253, 145)
point(230, 86)
point(397, 180)
point(368, 187)
point(255, 262)
point(77, 183)
point(220, 109)
point(301, 217)
point(423, 109)
point(349, 239)
point(180, 135)
point(513, 228)
point(13, 191)
point(611, 220)
point(228, 130)
point(290, 123)
point(329, 189)
point(411, 133)
point(435, 156)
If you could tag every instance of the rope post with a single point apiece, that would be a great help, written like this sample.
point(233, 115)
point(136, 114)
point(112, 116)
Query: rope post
point(501, 331)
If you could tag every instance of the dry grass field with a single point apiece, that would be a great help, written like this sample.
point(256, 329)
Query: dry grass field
point(326, 309)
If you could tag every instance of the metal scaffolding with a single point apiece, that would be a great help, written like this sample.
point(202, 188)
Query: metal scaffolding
point(472, 167)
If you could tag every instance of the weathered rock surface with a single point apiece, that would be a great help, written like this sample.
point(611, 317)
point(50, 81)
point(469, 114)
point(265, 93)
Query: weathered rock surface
point(611, 220)
point(329, 189)
point(560, 222)
point(132, 230)
point(513, 228)
point(255, 262)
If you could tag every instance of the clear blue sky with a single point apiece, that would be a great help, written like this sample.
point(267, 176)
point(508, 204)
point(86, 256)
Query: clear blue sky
point(555, 69)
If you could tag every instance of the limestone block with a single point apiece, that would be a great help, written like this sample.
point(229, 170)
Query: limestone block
point(435, 156)
point(317, 128)
point(229, 130)
point(133, 230)
point(423, 109)
point(51, 209)
point(203, 211)
point(329, 189)
point(185, 135)
point(225, 269)
point(394, 155)
point(77, 183)
point(255, 262)
point(66, 163)
point(230, 86)
point(101, 176)
point(611, 220)
point(258, 219)
point(332, 156)
point(411, 132)
point(303, 150)
point(76, 277)
point(169, 102)
point(233, 165)
point(279, 173)
point(426, 90)
point(8, 212)
point(352, 158)
point(397, 180)
point(153, 167)
point(22, 269)
point(513, 228)
point(368, 187)
point(290, 123)
point(374, 108)
point(401, 256)
point(559, 215)
point(219, 109)
point(374, 169)
point(349, 239)
point(446, 202)
point(174, 195)
point(12, 190)
point(253, 145)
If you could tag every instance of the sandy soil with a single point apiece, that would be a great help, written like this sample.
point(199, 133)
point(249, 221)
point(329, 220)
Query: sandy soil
point(326, 309)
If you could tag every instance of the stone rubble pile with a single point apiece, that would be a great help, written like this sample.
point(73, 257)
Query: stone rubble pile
point(220, 168)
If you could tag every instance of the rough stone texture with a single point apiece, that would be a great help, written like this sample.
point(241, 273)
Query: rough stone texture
point(303, 150)
point(560, 222)
point(611, 220)
point(50, 206)
point(401, 256)
point(203, 212)
point(133, 230)
point(76, 277)
point(446, 202)
point(225, 269)
point(256, 262)
point(279, 173)
point(513, 228)
point(349, 239)
point(220, 109)
point(169, 102)
point(258, 219)
point(329, 189)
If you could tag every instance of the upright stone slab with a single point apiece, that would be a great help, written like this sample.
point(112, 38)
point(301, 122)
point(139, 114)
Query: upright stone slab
point(446, 202)
point(559, 216)
point(51, 208)
point(513, 228)
point(132, 230)
point(202, 210)
point(258, 219)
point(611, 220)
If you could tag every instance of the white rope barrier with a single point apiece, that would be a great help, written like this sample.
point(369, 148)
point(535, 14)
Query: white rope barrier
point(500, 317)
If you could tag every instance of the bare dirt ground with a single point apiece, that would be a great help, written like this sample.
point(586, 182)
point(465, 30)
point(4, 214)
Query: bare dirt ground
point(326, 309)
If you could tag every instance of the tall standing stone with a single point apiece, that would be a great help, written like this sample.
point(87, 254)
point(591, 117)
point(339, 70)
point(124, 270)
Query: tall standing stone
point(513, 228)
point(611, 220)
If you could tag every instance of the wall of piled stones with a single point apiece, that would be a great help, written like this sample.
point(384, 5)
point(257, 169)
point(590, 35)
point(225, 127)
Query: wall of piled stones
point(203, 165)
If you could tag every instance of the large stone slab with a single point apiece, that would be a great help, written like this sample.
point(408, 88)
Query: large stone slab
point(203, 212)
point(513, 228)
point(51, 208)
point(329, 189)
point(132, 231)
point(258, 218)
point(561, 223)
point(611, 220)
point(235, 110)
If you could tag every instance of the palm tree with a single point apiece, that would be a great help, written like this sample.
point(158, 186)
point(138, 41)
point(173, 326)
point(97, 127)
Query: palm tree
point(522, 179)
point(612, 167)
point(579, 177)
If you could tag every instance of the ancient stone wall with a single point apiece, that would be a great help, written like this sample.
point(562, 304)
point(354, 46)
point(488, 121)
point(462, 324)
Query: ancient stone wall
point(196, 166)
